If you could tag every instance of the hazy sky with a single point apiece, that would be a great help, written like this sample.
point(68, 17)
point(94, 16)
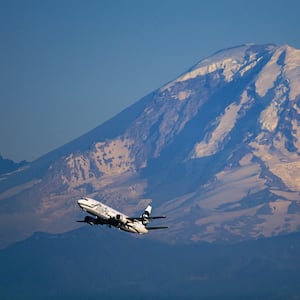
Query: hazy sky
point(67, 66)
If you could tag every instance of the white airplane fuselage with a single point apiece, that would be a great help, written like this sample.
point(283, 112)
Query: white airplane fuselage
point(107, 215)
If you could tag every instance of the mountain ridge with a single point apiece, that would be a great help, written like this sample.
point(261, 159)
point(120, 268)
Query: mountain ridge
point(216, 149)
point(8, 165)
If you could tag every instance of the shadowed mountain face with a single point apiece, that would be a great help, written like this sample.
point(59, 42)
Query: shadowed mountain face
point(216, 150)
point(7, 165)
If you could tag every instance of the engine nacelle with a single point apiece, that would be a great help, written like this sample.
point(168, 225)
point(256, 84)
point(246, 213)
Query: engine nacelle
point(121, 219)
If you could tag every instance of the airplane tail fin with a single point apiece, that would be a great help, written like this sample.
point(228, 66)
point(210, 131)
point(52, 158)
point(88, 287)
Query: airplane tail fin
point(146, 215)
point(147, 212)
point(145, 218)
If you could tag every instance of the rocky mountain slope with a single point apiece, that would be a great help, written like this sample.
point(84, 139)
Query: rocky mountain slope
point(216, 150)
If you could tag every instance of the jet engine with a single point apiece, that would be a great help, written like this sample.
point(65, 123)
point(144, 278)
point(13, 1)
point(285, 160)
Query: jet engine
point(121, 219)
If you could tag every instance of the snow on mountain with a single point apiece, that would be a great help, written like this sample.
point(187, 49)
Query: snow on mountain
point(224, 124)
point(216, 150)
point(292, 70)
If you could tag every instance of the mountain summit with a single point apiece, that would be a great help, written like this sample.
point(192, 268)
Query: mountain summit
point(216, 150)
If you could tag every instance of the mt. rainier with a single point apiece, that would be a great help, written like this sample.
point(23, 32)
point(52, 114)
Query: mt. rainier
point(216, 150)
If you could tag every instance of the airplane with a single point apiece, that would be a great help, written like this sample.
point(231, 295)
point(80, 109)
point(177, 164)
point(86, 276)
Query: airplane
point(105, 215)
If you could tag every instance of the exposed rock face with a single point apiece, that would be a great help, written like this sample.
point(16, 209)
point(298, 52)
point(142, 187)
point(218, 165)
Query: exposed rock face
point(217, 150)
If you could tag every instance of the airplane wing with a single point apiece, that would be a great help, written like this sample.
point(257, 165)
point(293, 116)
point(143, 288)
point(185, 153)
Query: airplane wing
point(143, 218)
point(113, 221)
point(91, 221)
point(157, 227)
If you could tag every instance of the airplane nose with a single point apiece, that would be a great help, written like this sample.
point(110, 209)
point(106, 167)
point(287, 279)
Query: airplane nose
point(81, 202)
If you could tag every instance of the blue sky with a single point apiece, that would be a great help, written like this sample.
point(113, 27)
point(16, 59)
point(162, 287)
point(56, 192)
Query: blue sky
point(67, 66)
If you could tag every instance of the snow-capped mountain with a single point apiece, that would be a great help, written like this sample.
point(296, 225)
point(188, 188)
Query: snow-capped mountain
point(216, 150)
